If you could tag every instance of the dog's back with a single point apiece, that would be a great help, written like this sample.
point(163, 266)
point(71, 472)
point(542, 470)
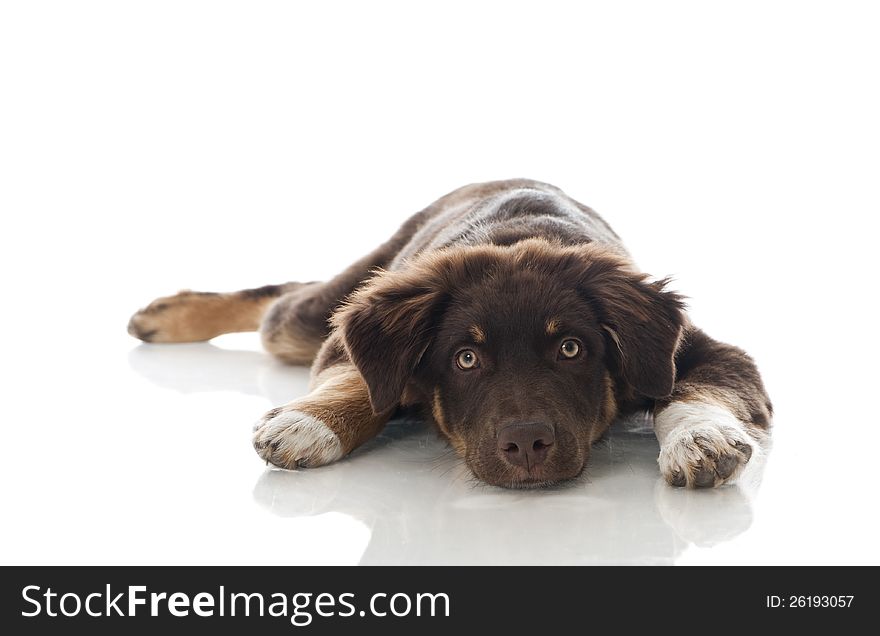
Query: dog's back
point(504, 213)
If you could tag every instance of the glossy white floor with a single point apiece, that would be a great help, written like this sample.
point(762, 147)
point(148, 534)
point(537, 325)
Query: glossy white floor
point(149, 461)
point(148, 147)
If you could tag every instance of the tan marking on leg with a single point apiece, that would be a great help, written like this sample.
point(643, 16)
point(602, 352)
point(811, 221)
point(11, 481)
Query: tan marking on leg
point(195, 317)
point(552, 326)
point(341, 400)
point(331, 373)
point(478, 334)
point(302, 433)
point(291, 349)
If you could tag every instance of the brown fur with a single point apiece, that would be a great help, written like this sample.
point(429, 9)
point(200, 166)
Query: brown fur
point(339, 398)
point(508, 269)
point(390, 328)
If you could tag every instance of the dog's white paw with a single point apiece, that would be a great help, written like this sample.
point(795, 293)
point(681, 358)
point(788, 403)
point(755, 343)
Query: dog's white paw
point(292, 439)
point(702, 445)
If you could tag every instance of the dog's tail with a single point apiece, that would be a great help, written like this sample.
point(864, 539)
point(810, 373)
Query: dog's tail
point(197, 316)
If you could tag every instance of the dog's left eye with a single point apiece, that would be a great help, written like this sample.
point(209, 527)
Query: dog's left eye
point(569, 349)
point(466, 360)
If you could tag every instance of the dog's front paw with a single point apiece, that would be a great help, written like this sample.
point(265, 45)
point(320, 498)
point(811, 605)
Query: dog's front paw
point(291, 439)
point(704, 450)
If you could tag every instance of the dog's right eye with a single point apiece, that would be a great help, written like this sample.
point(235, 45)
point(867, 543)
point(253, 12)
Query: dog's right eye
point(467, 360)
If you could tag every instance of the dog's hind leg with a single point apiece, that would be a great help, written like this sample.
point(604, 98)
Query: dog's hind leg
point(293, 318)
point(197, 316)
point(296, 325)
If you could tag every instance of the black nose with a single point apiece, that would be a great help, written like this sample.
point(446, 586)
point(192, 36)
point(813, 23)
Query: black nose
point(525, 444)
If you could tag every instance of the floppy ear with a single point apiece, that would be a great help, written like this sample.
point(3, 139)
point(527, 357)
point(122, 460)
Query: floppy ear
point(642, 321)
point(386, 327)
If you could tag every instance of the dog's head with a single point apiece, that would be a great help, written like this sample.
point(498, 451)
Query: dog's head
point(518, 351)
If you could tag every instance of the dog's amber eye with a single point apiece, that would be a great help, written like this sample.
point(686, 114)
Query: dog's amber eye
point(570, 349)
point(467, 359)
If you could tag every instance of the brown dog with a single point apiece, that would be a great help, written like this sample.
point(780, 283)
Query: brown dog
point(514, 317)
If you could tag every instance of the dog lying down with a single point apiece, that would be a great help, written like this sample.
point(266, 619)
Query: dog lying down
point(513, 317)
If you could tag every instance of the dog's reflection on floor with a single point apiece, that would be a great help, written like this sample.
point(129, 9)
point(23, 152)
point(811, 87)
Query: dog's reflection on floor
point(202, 366)
point(422, 506)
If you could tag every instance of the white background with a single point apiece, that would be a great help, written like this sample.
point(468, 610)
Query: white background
point(147, 147)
